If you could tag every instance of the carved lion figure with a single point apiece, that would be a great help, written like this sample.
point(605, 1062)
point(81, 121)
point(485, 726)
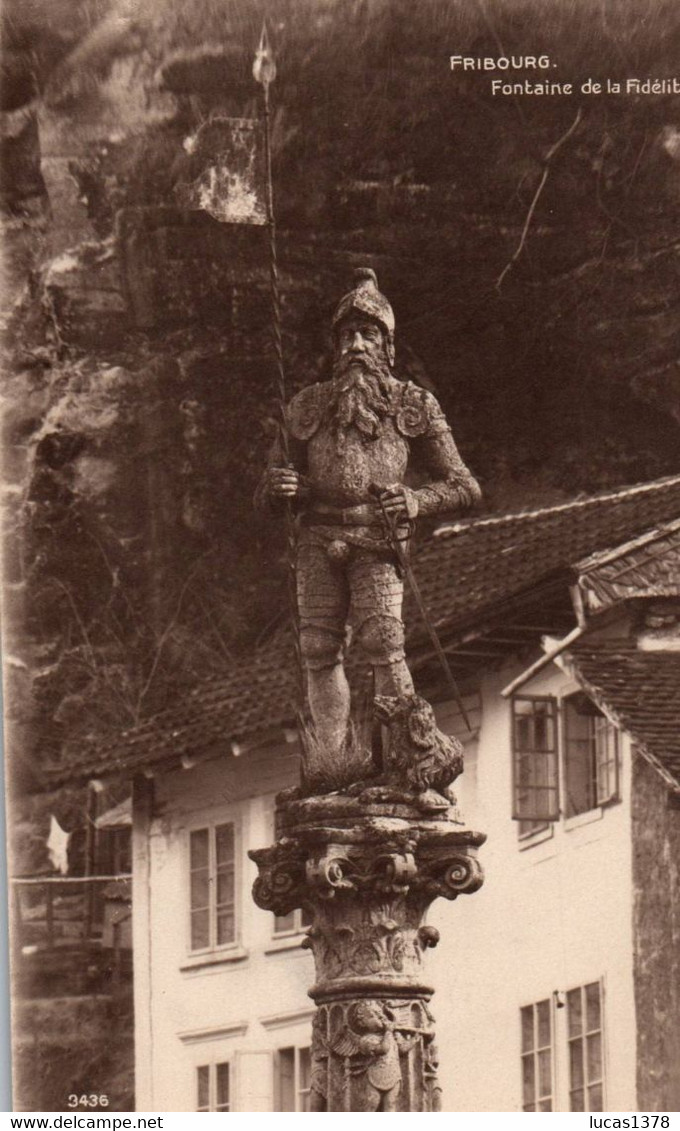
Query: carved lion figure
point(419, 755)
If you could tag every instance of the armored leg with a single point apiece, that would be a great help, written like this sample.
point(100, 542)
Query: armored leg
point(323, 604)
point(377, 595)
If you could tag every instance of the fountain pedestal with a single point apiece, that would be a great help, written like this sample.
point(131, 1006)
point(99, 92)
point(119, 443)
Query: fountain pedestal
point(366, 868)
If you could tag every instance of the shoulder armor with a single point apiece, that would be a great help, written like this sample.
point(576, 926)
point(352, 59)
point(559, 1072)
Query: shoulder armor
point(418, 412)
point(303, 414)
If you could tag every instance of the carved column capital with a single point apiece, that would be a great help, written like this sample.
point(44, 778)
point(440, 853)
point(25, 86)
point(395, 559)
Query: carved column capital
point(367, 874)
point(331, 848)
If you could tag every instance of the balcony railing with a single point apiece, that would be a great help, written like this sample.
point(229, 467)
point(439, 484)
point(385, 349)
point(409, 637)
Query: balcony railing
point(61, 912)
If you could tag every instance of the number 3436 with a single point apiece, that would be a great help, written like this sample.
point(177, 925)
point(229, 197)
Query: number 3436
point(88, 1101)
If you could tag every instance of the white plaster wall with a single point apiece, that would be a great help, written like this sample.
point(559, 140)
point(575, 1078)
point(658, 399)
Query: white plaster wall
point(551, 917)
point(193, 1004)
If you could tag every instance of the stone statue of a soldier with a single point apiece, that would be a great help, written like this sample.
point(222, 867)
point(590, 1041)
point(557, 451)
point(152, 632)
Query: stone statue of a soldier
point(352, 440)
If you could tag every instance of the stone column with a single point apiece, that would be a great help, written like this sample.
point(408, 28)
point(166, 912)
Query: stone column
point(367, 869)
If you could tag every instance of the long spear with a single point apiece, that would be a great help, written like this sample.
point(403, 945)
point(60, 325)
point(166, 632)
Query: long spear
point(264, 72)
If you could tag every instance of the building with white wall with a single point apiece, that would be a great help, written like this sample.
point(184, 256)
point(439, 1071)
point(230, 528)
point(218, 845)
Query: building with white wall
point(562, 972)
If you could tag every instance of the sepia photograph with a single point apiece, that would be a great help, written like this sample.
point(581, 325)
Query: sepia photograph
point(341, 555)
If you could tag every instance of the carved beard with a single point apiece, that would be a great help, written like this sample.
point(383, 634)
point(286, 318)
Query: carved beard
point(361, 395)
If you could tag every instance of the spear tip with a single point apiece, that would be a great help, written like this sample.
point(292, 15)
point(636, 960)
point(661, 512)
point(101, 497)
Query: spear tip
point(264, 65)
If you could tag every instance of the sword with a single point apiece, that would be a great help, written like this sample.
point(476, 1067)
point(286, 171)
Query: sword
point(391, 526)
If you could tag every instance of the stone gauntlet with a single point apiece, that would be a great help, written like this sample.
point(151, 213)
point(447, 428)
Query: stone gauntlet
point(452, 486)
point(266, 499)
point(447, 496)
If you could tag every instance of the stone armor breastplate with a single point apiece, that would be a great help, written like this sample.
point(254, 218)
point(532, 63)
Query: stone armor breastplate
point(341, 467)
point(342, 464)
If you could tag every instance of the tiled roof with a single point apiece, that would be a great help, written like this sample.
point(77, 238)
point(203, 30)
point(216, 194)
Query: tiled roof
point(647, 566)
point(467, 572)
point(640, 691)
point(256, 696)
point(470, 567)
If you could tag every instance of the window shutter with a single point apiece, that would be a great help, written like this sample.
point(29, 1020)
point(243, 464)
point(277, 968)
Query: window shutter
point(607, 759)
point(535, 759)
point(591, 756)
point(254, 1074)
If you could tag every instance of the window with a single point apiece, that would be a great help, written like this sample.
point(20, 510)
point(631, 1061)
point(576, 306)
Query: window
point(537, 1057)
point(212, 886)
point(562, 1060)
point(292, 923)
point(591, 756)
point(293, 1068)
point(535, 762)
point(585, 751)
point(584, 1020)
point(114, 851)
point(212, 1087)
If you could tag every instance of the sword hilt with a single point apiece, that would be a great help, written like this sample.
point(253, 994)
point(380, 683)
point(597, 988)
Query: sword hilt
point(398, 529)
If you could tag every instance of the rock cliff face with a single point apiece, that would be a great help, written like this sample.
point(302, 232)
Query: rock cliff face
point(73, 1046)
point(139, 393)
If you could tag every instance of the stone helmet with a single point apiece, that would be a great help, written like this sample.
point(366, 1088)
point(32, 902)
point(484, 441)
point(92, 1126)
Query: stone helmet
point(366, 299)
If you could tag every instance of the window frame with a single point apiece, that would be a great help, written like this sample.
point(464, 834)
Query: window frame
point(299, 1092)
point(299, 926)
point(563, 1038)
point(605, 781)
point(212, 1068)
point(539, 1098)
point(598, 798)
point(211, 824)
point(529, 825)
point(614, 795)
point(585, 1035)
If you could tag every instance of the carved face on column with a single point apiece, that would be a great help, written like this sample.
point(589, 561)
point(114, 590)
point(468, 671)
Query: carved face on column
point(368, 1017)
